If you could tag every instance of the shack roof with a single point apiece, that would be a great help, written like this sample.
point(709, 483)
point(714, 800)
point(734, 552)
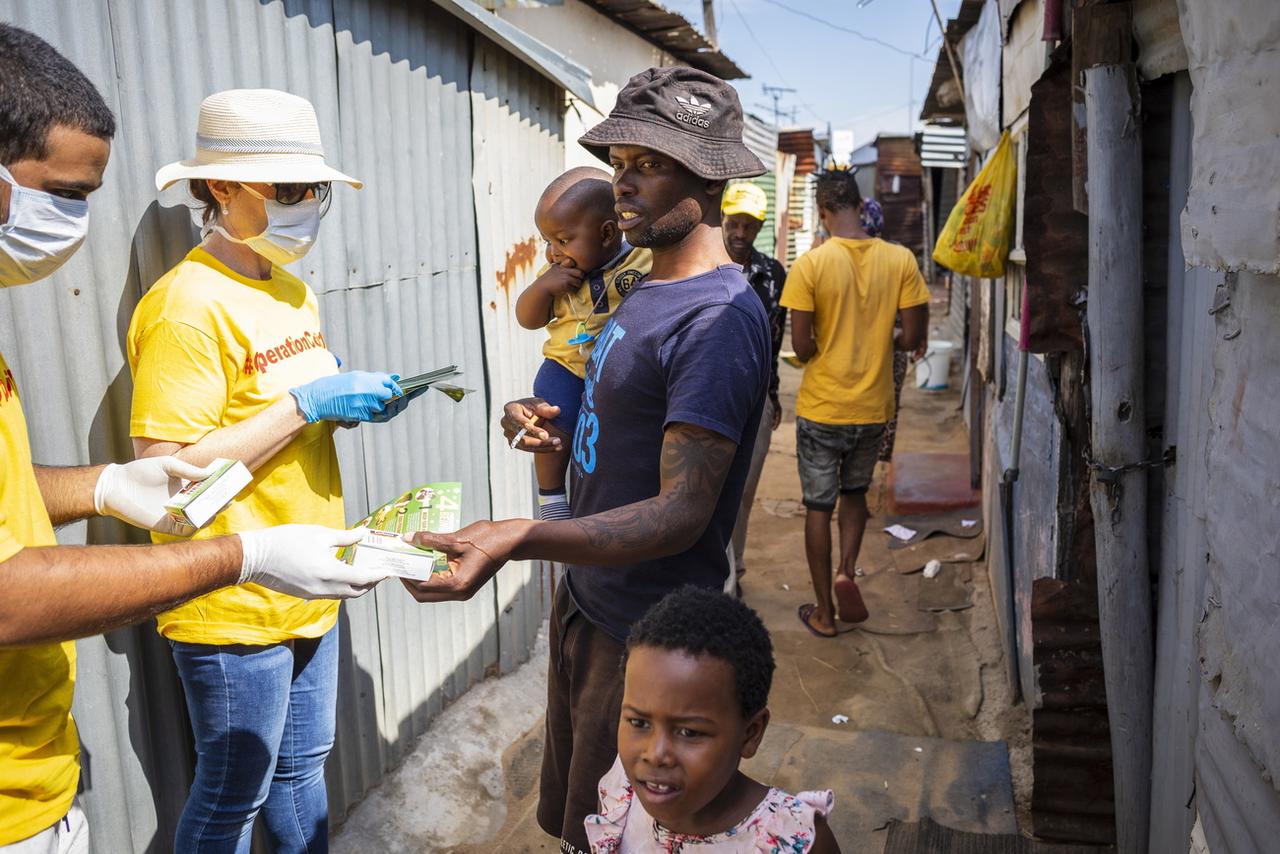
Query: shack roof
point(546, 61)
point(672, 32)
point(943, 103)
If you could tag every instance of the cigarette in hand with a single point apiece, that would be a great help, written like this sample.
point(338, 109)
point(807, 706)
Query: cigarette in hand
point(522, 432)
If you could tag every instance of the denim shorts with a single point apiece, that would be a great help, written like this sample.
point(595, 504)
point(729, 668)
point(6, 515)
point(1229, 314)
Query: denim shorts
point(834, 460)
point(561, 387)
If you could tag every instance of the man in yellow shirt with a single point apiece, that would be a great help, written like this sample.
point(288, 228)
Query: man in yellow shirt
point(55, 138)
point(844, 297)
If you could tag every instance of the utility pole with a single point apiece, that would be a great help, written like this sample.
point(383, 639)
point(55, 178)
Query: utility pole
point(709, 22)
point(911, 92)
point(776, 92)
point(1118, 492)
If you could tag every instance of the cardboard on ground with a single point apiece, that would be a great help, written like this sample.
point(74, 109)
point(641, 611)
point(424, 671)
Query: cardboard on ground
point(430, 507)
point(200, 500)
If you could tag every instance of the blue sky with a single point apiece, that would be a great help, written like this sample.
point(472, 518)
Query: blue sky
point(852, 83)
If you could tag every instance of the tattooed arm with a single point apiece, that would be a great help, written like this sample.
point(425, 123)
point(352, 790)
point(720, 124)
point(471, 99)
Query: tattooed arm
point(695, 462)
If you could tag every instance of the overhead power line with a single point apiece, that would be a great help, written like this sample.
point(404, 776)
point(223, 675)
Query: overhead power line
point(844, 29)
point(768, 55)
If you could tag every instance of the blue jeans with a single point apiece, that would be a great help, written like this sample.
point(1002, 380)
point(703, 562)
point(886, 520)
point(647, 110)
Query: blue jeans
point(263, 718)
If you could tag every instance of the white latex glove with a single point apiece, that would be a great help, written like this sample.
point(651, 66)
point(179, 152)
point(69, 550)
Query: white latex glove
point(299, 560)
point(137, 492)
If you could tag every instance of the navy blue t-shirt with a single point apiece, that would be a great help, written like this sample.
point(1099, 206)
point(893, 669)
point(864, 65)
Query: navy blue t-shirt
point(694, 351)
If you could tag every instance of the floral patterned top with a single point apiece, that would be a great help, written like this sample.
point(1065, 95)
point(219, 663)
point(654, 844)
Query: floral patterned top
point(780, 824)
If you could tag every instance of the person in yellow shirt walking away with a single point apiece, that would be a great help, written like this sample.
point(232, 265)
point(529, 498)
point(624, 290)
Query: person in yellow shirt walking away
point(55, 140)
point(229, 360)
point(844, 297)
point(590, 268)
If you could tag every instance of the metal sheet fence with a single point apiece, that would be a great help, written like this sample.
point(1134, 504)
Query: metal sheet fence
point(404, 270)
point(517, 122)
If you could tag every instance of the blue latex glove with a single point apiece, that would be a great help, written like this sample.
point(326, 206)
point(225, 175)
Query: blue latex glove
point(352, 396)
point(398, 405)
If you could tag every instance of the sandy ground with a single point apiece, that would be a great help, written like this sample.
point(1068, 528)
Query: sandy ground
point(947, 683)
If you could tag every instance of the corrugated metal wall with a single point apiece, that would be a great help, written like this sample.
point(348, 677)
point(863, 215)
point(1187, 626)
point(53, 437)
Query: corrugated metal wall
point(401, 278)
point(1237, 752)
point(1035, 492)
point(1215, 704)
point(518, 140)
point(767, 239)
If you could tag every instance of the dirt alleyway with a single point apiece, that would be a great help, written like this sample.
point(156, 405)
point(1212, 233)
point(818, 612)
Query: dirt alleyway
point(925, 694)
point(948, 682)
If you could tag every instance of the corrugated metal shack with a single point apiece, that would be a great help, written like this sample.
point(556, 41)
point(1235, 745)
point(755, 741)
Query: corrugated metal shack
point(762, 138)
point(1191, 767)
point(802, 211)
point(900, 192)
point(454, 120)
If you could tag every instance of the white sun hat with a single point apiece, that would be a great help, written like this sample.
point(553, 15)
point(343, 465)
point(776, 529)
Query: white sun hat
point(256, 135)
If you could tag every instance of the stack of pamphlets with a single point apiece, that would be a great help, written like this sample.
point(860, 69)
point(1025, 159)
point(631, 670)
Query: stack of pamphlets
point(200, 500)
point(436, 379)
point(435, 507)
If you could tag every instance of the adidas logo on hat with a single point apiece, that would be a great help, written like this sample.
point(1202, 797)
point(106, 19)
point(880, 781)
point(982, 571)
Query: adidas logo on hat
point(692, 112)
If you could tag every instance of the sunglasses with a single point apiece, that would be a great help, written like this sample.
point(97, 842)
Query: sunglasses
point(292, 194)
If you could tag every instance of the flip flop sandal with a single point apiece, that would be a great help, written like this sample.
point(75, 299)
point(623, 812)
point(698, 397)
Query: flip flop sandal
point(849, 605)
point(804, 612)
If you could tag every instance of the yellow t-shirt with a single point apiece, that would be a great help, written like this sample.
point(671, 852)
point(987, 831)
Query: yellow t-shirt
point(854, 289)
point(39, 748)
point(593, 304)
point(209, 348)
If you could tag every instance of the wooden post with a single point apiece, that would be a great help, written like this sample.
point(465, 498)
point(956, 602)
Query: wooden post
point(926, 204)
point(709, 22)
point(1119, 494)
point(951, 56)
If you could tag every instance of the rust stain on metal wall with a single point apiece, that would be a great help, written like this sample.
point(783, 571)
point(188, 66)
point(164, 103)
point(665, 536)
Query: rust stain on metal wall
point(518, 258)
point(1055, 236)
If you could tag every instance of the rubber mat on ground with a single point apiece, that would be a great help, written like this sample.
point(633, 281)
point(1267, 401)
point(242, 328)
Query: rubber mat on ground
point(943, 549)
point(892, 600)
point(947, 591)
point(880, 777)
point(928, 837)
point(965, 523)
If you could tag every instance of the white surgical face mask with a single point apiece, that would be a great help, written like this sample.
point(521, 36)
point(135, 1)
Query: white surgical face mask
point(290, 233)
point(40, 234)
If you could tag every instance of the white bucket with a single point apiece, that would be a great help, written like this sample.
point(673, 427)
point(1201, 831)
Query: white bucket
point(932, 371)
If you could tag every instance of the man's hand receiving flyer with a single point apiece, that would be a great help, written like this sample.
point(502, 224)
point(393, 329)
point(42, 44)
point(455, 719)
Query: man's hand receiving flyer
point(433, 507)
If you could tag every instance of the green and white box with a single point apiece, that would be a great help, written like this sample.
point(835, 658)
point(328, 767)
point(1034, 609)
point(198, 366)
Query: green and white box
point(200, 500)
point(433, 507)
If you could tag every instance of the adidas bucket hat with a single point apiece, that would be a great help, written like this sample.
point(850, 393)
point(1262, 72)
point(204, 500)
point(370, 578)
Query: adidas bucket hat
point(689, 115)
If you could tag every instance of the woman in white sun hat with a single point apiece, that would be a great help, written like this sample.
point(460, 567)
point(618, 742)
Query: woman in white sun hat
point(229, 360)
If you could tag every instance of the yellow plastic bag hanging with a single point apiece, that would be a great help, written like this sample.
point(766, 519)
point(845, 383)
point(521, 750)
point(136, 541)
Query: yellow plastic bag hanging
point(975, 240)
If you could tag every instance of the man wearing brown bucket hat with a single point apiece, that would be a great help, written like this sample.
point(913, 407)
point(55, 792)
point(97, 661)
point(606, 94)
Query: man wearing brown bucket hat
point(674, 391)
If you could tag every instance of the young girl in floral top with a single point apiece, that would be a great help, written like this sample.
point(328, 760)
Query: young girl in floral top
point(698, 669)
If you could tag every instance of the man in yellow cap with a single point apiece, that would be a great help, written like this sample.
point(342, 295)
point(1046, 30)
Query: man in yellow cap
point(744, 209)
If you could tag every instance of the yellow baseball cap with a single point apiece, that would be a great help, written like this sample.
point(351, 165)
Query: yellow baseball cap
point(745, 198)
